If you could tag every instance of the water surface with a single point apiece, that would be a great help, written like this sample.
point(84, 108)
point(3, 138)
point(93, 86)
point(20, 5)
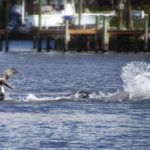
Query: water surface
point(44, 112)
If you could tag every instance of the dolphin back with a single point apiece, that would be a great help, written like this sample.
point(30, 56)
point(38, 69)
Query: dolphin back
point(120, 96)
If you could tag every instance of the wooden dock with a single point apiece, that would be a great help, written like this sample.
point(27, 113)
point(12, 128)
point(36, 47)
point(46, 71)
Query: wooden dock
point(74, 32)
point(87, 31)
point(89, 36)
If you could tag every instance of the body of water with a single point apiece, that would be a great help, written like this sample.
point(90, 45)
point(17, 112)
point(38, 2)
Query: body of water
point(45, 110)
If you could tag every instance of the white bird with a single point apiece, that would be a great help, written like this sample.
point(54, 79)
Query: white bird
point(3, 81)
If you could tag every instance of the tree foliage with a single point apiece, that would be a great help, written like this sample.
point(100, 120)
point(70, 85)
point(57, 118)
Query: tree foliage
point(112, 4)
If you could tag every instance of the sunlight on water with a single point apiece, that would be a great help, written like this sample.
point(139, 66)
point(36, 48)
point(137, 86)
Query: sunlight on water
point(136, 79)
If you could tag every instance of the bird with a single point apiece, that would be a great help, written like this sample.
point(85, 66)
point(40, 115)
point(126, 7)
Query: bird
point(3, 81)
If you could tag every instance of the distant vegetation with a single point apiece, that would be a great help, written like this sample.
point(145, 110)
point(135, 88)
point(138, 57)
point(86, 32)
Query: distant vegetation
point(112, 4)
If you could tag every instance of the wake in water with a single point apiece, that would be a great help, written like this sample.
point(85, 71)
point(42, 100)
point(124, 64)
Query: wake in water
point(74, 97)
point(136, 86)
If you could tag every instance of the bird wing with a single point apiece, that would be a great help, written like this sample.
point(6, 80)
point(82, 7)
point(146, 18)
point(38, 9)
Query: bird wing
point(8, 73)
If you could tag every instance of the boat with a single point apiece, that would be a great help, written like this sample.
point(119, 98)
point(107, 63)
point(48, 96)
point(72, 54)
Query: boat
point(54, 13)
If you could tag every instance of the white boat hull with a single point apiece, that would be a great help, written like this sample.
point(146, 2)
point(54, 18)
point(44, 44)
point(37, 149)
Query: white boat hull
point(57, 19)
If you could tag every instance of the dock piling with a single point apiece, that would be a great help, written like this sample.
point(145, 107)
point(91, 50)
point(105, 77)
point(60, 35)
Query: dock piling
point(67, 37)
point(96, 35)
point(80, 12)
point(39, 42)
point(34, 41)
point(105, 38)
point(146, 32)
point(48, 44)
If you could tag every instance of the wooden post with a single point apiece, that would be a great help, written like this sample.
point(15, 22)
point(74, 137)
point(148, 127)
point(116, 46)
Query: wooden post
point(23, 11)
point(88, 41)
point(48, 44)
point(6, 33)
point(146, 32)
point(60, 38)
point(34, 41)
point(67, 38)
point(80, 11)
point(96, 35)
point(57, 39)
point(129, 23)
point(39, 28)
point(120, 17)
point(40, 12)
point(105, 39)
point(120, 13)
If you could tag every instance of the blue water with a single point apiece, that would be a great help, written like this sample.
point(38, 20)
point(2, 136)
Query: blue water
point(43, 111)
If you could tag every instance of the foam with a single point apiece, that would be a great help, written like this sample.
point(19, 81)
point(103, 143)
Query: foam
point(136, 79)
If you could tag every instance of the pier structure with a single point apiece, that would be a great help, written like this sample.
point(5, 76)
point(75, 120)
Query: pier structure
point(66, 32)
point(74, 31)
point(80, 38)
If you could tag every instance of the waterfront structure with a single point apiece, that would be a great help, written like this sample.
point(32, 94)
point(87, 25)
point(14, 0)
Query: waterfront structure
point(59, 19)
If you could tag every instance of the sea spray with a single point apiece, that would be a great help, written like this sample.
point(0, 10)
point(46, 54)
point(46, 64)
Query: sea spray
point(136, 79)
point(31, 97)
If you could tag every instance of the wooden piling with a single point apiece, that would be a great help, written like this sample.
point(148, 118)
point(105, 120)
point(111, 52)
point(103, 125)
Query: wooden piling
point(39, 44)
point(39, 48)
point(57, 39)
point(120, 18)
point(67, 37)
point(80, 12)
point(96, 35)
point(105, 36)
point(23, 11)
point(34, 41)
point(88, 42)
point(48, 44)
point(7, 33)
point(146, 32)
point(129, 21)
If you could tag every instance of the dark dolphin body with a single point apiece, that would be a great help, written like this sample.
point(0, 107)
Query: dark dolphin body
point(82, 94)
point(3, 81)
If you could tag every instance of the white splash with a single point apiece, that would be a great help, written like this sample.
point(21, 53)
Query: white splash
point(136, 79)
point(31, 97)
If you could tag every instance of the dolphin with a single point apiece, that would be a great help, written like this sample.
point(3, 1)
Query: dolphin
point(3, 81)
point(120, 96)
point(82, 94)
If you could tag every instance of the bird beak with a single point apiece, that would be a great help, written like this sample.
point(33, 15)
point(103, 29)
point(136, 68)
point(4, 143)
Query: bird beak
point(6, 84)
